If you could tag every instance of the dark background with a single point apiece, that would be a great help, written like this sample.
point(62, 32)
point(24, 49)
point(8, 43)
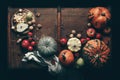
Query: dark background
point(106, 73)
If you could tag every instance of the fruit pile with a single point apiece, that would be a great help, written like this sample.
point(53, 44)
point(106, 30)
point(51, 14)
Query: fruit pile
point(91, 49)
point(23, 22)
point(76, 49)
point(71, 54)
point(28, 43)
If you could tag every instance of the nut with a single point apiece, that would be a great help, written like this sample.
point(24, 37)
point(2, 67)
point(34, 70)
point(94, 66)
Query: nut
point(13, 27)
point(79, 35)
point(71, 35)
point(37, 14)
point(29, 23)
point(20, 10)
point(89, 24)
point(73, 31)
point(31, 28)
point(39, 26)
point(33, 21)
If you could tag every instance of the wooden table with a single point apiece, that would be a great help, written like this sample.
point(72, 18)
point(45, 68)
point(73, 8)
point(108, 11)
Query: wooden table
point(71, 18)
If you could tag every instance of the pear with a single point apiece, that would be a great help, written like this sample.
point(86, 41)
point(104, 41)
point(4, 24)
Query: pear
point(79, 63)
point(29, 16)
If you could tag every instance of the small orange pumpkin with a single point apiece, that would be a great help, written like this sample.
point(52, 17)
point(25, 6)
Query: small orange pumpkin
point(96, 52)
point(66, 57)
point(99, 16)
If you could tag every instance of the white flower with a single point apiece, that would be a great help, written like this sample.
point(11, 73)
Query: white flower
point(74, 44)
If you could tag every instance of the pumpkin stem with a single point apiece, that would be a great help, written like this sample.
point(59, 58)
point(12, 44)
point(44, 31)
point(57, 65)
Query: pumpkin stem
point(103, 14)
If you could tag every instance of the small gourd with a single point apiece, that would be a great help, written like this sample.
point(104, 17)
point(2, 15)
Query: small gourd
point(47, 46)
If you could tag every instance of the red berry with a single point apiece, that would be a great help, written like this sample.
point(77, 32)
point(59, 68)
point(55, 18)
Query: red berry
point(87, 39)
point(30, 48)
point(63, 41)
point(83, 40)
point(25, 43)
point(30, 39)
point(30, 34)
point(33, 43)
point(98, 35)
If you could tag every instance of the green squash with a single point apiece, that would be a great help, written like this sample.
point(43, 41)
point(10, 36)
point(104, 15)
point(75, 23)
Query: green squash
point(47, 46)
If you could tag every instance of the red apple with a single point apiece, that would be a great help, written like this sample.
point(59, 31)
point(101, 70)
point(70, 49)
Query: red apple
point(83, 40)
point(30, 34)
point(63, 41)
point(25, 43)
point(33, 43)
point(91, 32)
point(30, 48)
point(98, 35)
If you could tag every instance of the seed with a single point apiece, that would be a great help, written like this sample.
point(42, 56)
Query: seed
point(19, 40)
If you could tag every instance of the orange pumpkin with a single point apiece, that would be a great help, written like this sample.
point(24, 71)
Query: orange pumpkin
point(66, 57)
point(99, 16)
point(96, 51)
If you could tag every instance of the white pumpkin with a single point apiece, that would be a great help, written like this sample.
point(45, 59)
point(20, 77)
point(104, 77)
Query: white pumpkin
point(74, 44)
point(47, 46)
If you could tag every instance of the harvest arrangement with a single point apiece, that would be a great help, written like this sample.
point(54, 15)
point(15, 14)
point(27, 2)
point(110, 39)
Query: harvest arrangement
point(76, 50)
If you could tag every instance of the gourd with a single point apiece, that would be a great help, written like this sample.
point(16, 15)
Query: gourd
point(47, 46)
point(74, 44)
point(99, 17)
point(96, 52)
point(66, 57)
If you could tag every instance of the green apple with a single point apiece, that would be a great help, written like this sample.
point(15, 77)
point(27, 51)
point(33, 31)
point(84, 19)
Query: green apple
point(79, 63)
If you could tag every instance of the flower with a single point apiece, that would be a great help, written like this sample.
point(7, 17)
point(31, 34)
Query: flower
point(74, 44)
